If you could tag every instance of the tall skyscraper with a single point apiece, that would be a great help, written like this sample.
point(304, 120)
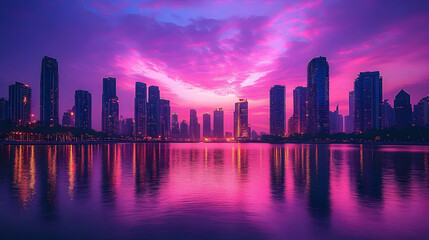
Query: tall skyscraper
point(318, 95)
point(241, 118)
point(300, 105)
point(368, 101)
point(421, 112)
point(153, 110)
point(49, 92)
point(387, 115)
point(69, 118)
point(165, 119)
point(350, 119)
point(184, 130)
point(207, 131)
point(83, 109)
point(175, 128)
point(140, 113)
point(218, 119)
point(110, 107)
point(20, 103)
point(4, 109)
point(403, 111)
point(194, 129)
point(277, 110)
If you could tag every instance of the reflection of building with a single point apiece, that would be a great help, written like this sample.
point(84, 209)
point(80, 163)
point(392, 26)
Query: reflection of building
point(403, 112)
point(218, 123)
point(277, 173)
point(368, 101)
point(140, 114)
point(421, 112)
point(207, 131)
point(20, 103)
point(277, 110)
point(83, 109)
point(318, 95)
point(153, 113)
point(241, 126)
point(49, 92)
point(165, 128)
point(110, 107)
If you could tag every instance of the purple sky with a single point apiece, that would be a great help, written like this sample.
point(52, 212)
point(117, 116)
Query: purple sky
point(207, 54)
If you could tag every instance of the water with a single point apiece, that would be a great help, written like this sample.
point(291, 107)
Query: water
point(214, 191)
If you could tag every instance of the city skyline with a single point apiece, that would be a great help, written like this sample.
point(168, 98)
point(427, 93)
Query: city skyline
point(266, 44)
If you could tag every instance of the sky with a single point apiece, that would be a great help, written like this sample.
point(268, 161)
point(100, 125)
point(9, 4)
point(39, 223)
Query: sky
point(208, 54)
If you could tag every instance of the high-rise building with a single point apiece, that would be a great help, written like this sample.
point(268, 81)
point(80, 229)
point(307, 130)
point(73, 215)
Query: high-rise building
point(140, 113)
point(387, 115)
point(300, 105)
point(20, 103)
point(421, 112)
point(277, 110)
point(350, 119)
point(218, 119)
point(241, 118)
point(318, 95)
point(368, 101)
point(207, 131)
point(4, 109)
point(292, 125)
point(127, 126)
point(175, 128)
point(83, 109)
point(69, 118)
point(165, 129)
point(184, 130)
point(403, 111)
point(194, 129)
point(335, 121)
point(110, 107)
point(49, 92)
point(153, 113)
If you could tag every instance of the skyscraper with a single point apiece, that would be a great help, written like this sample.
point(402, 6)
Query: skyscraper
point(207, 131)
point(241, 118)
point(403, 111)
point(68, 118)
point(4, 109)
point(300, 105)
point(140, 114)
point(318, 95)
point(368, 101)
point(20, 103)
point(194, 128)
point(110, 107)
point(49, 92)
point(387, 115)
point(335, 121)
point(175, 128)
point(350, 119)
point(184, 130)
point(83, 109)
point(277, 110)
point(421, 112)
point(153, 113)
point(218, 123)
point(165, 119)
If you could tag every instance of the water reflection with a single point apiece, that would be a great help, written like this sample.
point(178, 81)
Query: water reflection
point(169, 187)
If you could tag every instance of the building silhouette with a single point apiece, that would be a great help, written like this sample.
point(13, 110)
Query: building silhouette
point(350, 119)
point(165, 129)
point(387, 115)
point(277, 110)
point(194, 126)
point(218, 120)
point(127, 127)
point(298, 122)
point(184, 130)
point(403, 112)
point(318, 95)
point(241, 118)
point(4, 109)
point(368, 101)
point(110, 107)
point(175, 128)
point(20, 103)
point(83, 109)
point(207, 130)
point(49, 92)
point(69, 118)
point(153, 113)
point(140, 113)
point(421, 112)
point(335, 121)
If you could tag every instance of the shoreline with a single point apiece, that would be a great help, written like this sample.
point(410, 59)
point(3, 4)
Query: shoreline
point(15, 143)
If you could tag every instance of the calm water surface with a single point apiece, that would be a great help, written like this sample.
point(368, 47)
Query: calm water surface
point(212, 191)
